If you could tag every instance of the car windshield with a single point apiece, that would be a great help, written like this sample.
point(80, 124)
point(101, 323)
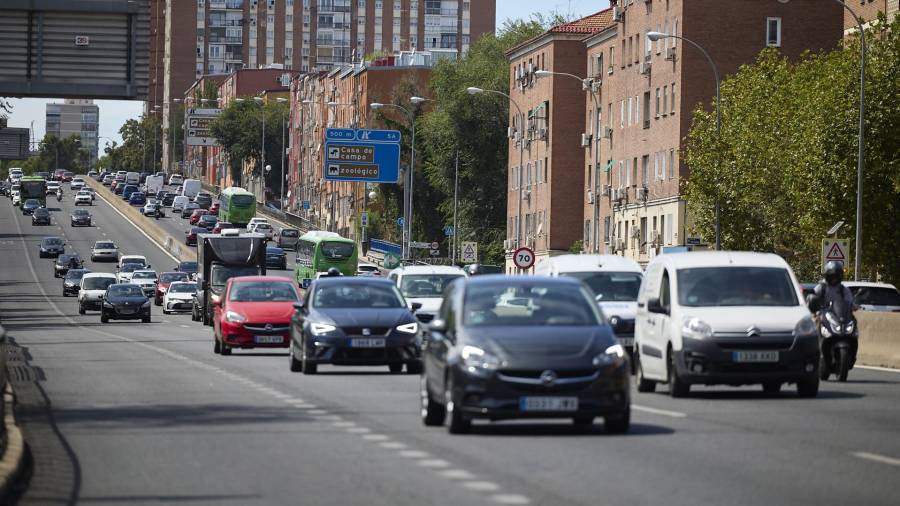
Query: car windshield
point(494, 305)
point(41, 212)
point(187, 267)
point(64, 259)
point(98, 283)
point(131, 267)
point(876, 295)
point(221, 274)
point(337, 250)
point(32, 202)
point(357, 296)
point(183, 288)
point(76, 273)
point(611, 286)
point(144, 275)
point(125, 291)
point(138, 261)
point(79, 212)
point(289, 233)
point(425, 285)
point(105, 245)
point(735, 286)
point(262, 291)
point(52, 242)
point(168, 277)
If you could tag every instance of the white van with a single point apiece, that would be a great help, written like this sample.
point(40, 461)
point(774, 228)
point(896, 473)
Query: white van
point(425, 284)
point(724, 317)
point(190, 188)
point(614, 280)
point(132, 178)
point(178, 203)
point(153, 184)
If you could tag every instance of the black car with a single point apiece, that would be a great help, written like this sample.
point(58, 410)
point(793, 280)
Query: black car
point(523, 347)
point(188, 267)
point(190, 236)
point(72, 281)
point(203, 200)
point(276, 258)
point(65, 262)
point(208, 221)
point(354, 321)
point(52, 247)
point(81, 218)
point(167, 199)
point(189, 209)
point(30, 205)
point(124, 301)
point(40, 216)
point(160, 195)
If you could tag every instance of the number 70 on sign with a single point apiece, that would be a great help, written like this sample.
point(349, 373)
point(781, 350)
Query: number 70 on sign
point(523, 258)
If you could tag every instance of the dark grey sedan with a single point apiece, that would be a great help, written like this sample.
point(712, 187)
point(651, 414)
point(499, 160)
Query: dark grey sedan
point(124, 301)
point(523, 347)
point(52, 247)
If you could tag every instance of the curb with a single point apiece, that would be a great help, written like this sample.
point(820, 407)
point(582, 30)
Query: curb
point(13, 459)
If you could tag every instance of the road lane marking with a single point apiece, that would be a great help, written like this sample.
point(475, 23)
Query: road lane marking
point(358, 430)
point(434, 463)
point(874, 368)
point(457, 474)
point(874, 457)
point(344, 424)
point(481, 486)
point(510, 499)
point(392, 445)
point(375, 437)
point(413, 454)
point(657, 411)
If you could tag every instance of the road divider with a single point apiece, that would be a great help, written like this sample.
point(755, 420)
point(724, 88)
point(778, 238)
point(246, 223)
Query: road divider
point(170, 244)
point(879, 339)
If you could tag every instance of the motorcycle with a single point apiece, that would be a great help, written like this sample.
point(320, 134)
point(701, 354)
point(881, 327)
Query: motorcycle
point(59, 196)
point(838, 337)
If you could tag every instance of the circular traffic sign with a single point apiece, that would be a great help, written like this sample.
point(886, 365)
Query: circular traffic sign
point(435, 245)
point(523, 258)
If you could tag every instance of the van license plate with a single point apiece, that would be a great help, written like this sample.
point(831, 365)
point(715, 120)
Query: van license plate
point(548, 403)
point(755, 356)
point(367, 343)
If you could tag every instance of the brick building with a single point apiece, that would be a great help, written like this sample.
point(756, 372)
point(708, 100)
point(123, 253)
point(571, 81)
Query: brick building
point(647, 94)
point(868, 10)
point(544, 209)
point(192, 38)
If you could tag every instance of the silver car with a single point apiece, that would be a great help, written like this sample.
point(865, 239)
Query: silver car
point(105, 250)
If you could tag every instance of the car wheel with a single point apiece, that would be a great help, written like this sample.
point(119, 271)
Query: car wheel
point(296, 365)
point(104, 318)
point(145, 320)
point(459, 424)
point(224, 349)
point(65, 294)
point(165, 312)
point(307, 365)
point(643, 384)
point(618, 424)
point(217, 346)
point(808, 388)
point(772, 387)
point(677, 387)
point(396, 368)
point(414, 368)
point(80, 309)
point(433, 413)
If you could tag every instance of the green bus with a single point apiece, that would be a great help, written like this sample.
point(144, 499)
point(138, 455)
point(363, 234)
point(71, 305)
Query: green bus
point(236, 206)
point(33, 187)
point(318, 251)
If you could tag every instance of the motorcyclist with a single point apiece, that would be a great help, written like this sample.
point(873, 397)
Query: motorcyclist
point(59, 194)
point(832, 290)
point(73, 263)
point(333, 272)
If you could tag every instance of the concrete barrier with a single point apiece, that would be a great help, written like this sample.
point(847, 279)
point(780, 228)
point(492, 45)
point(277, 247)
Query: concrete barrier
point(166, 241)
point(879, 339)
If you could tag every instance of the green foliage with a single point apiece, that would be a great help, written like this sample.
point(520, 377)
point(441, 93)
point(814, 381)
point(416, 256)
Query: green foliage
point(239, 131)
point(70, 156)
point(139, 136)
point(784, 168)
point(577, 247)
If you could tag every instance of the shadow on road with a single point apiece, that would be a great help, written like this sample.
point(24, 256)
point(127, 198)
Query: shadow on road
point(141, 416)
point(168, 499)
point(562, 429)
point(786, 394)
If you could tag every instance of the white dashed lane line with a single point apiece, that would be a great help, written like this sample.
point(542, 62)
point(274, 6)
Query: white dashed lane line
point(657, 411)
point(874, 457)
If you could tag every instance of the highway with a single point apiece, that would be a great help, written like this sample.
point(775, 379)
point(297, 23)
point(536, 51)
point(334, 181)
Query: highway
point(131, 413)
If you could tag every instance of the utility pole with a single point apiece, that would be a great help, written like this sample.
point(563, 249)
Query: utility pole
point(455, 240)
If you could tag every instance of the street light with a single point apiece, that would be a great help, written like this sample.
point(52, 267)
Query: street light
point(262, 160)
point(282, 100)
point(406, 229)
point(655, 36)
point(587, 84)
point(476, 91)
point(861, 155)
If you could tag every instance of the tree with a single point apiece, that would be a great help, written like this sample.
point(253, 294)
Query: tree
point(139, 136)
point(54, 152)
point(784, 168)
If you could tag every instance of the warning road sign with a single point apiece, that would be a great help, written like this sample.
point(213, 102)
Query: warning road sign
point(469, 252)
point(835, 250)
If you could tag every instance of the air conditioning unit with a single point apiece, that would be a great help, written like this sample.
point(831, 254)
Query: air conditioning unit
point(590, 197)
point(618, 14)
point(609, 71)
point(635, 233)
point(595, 85)
point(511, 132)
point(620, 245)
point(645, 68)
point(607, 132)
point(585, 140)
point(542, 134)
point(670, 54)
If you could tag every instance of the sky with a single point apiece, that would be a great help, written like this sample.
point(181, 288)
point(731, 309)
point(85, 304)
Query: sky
point(113, 113)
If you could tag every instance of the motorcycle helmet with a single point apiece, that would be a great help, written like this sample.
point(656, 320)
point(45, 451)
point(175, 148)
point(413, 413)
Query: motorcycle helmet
point(333, 272)
point(834, 273)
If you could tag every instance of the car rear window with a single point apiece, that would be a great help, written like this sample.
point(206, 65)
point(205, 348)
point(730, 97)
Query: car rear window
point(876, 296)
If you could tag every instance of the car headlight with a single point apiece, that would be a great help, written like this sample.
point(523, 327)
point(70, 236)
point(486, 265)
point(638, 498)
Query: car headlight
point(478, 361)
point(233, 317)
point(614, 354)
point(805, 327)
point(320, 329)
point(696, 328)
point(408, 328)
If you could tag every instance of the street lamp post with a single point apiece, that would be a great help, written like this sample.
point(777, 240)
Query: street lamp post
point(262, 161)
point(588, 85)
point(406, 229)
point(475, 91)
point(655, 36)
point(282, 100)
point(155, 138)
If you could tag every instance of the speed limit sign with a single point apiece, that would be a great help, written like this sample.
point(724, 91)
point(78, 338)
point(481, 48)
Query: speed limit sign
point(523, 258)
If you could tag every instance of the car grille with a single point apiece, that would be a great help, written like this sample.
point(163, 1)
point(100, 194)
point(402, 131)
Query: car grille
point(260, 328)
point(566, 381)
point(373, 331)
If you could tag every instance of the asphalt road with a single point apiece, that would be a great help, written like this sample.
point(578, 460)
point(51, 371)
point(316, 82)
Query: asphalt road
point(146, 414)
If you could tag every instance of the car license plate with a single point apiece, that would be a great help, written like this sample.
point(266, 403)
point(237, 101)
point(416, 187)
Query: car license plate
point(367, 343)
point(626, 341)
point(548, 403)
point(268, 339)
point(126, 311)
point(755, 356)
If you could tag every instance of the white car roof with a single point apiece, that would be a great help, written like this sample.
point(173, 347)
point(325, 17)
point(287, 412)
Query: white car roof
point(868, 284)
point(720, 259)
point(137, 257)
point(589, 263)
point(106, 275)
point(428, 269)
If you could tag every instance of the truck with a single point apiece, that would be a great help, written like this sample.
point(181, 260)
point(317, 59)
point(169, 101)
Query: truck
point(153, 184)
point(220, 258)
point(190, 188)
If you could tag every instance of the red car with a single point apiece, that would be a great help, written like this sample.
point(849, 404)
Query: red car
point(254, 312)
point(166, 279)
point(214, 208)
point(222, 225)
point(195, 216)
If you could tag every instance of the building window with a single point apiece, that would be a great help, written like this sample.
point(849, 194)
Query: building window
point(634, 172)
point(773, 32)
point(657, 102)
point(645, 169)
point(672, 101)
point(622, 114)
point(665, 96)
point(545, 169)
point(630, 106)
point(672, 163)
point(612, 59)
point(646, 109)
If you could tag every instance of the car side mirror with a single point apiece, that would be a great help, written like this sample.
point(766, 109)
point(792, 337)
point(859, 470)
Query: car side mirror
point(654, 306)
point(415, 306)
point(813, 303)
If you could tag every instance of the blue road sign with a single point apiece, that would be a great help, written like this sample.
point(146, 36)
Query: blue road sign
point(306, 204)
point(400, 221)
point(449, 231)
point(374, 161)
point(384, 247)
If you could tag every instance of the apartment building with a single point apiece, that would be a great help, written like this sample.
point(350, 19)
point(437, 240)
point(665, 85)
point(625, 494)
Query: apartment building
point(79, 117)
point(868, 11)
point(544, 208)
point(647, 92)
point(193, 38)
